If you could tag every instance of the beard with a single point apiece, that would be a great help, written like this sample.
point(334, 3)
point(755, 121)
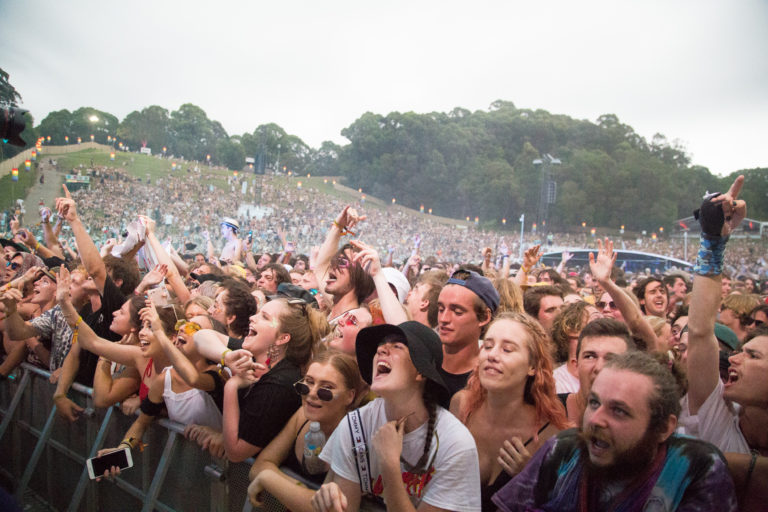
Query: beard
point(627, 464)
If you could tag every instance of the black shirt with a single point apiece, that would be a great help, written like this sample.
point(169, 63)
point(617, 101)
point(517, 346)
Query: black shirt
point(111, 300)
point(454, 381)
point(265, 407)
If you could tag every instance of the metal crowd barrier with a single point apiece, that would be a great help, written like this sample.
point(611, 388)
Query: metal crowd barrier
point(45, 455)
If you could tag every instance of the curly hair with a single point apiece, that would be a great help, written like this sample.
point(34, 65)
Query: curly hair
point(570, 321)
point(539, 388)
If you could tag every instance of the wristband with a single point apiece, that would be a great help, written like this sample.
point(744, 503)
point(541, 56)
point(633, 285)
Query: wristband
point(59, 395)
point(344, 231)
point(709, 260)
point(223, 354)
point(525, 270)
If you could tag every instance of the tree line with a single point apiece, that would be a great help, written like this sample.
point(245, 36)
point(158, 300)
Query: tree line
point(484, 164)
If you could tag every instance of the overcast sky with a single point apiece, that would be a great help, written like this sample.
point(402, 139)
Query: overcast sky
point(694, 70)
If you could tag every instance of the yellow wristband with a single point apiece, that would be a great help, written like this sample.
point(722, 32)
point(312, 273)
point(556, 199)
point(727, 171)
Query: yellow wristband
point(525, 270)
point(222, 356)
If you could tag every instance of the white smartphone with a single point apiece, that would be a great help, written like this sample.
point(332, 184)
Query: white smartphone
point(98, 465)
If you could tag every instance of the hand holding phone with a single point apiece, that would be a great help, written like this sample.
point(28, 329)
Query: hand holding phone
point(101, 464)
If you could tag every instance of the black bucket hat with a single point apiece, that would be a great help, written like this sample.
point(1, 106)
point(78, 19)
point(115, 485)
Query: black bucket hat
point(424, 346)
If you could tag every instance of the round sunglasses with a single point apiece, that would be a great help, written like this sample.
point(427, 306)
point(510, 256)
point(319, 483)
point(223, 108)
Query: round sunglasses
point(324, 394)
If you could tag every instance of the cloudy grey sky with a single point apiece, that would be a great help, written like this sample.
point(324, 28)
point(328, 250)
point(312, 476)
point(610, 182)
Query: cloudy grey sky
point(694, 70)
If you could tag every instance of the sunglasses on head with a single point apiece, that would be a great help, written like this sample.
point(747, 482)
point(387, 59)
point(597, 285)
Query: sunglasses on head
point(602, 304)
point(189, 328)
point(324, 394)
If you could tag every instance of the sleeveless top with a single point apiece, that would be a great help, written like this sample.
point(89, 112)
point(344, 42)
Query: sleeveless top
point(487, 491)
point(191, 406)
point(292, 463)
point(143, 388)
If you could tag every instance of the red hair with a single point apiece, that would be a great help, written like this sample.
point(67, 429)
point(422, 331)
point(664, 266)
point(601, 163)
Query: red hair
point(539, 388)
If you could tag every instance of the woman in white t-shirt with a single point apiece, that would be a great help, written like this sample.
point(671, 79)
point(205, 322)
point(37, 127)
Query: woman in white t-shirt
point(414, 454)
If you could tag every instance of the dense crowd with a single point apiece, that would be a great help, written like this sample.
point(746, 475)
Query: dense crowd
point(389, 358)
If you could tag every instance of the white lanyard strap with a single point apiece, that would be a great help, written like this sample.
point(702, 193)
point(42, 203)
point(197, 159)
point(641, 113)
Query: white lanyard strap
point(360, 448)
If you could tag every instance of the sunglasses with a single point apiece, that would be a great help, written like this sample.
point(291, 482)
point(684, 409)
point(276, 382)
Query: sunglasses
point(324, 394)
point(757, 323)
point(189, 328)
point(340, 262)
point(602, 304)
point(14, 266)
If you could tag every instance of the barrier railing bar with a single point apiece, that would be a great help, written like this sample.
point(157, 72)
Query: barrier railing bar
point(58, 446)
point(44, 435)
point(83, 482)
point(9, 413)
point(160, 472)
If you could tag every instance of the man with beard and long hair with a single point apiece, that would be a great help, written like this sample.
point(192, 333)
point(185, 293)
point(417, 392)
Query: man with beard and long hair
point(625, 456)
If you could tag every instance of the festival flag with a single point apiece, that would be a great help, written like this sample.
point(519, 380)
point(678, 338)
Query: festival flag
point(34, 155)
point(112, 156)
point(14, 174)
point(27, 165)
point(92, 137)
point(66, 139)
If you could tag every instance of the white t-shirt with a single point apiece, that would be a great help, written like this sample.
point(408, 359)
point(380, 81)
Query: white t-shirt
point(452, 480)
point(717, 422)
point(564, 381)
point(191, 406)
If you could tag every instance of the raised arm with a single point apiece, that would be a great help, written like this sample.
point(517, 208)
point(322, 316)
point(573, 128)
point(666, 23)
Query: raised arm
point(123, 354)
point(368, 258)
point(530, 258)
point(15, 326)
point(601, 270)
point(49, 237)
point(180, 362)
point(346, 220)
point(89, 254)
point(174, 278)
point(718, 217)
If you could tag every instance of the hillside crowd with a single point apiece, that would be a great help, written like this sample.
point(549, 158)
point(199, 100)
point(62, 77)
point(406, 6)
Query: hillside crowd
point(430, 366)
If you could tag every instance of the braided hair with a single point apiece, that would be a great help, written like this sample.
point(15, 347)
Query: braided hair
point(422, 464)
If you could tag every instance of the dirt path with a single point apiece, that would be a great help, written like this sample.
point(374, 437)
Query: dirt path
point(47, 192)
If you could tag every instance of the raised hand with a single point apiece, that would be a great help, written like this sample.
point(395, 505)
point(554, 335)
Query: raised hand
point(367, 257)
point(606, 258)
point(63, 282)
point(531, 256)
point(734, 209)
point(66, 207)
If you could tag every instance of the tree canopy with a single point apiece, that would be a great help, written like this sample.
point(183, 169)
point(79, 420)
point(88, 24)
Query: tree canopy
point(485, 164)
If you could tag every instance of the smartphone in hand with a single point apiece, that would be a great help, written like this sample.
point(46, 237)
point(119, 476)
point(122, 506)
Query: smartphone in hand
point(119, 458)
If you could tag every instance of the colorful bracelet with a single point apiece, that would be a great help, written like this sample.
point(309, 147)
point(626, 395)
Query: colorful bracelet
point(344, 231)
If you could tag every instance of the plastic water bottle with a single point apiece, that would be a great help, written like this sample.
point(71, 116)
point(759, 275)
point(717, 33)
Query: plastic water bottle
point(314, 440)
